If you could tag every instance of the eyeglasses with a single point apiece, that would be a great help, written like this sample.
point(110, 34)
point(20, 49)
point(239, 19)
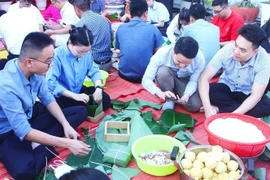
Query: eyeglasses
point(219, 11)
point(48, 63)
point(81, 52)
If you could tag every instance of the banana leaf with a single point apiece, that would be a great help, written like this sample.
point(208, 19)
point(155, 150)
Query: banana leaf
point(118, 154)
point(154, 126)
point(142, 103)
point(113, 16)
point(80, 161)
point(124, 173)
point(176, 128)
point(132, 106)
point(147, 116)
point(138, 128)
point(185, 138)
point(266, 119)
point(259, 174)
point(170, 118)
point(93, 159)
point(93, 108)
point(101, 168)
point(102, 145)
point(120, 116)
point(118, 105)
point(265, 156)
point(49, 176)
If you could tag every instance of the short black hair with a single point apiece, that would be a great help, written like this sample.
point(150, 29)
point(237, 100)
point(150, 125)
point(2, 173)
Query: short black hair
point(83, 5)
point(253, 33)
point(187, 46)
point(197, 11)
point(266, 28)
point(33, 44)
point(183, 16)
point(80, 36)
point(85, 174)
point(221, 3)
point(138, 7)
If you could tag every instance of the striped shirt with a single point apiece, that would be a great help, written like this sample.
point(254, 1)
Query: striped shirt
point(102, 32)
point(241, 78)
point(97, 6)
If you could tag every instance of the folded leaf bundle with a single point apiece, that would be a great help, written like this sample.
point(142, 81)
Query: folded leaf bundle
point(118, 154)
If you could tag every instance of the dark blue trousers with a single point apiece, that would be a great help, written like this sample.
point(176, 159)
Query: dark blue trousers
point(65, 102)
point(227, 101)
point(18, 157)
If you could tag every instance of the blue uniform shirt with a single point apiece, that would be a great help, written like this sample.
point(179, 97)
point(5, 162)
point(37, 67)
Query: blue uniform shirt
point(68, 72)
point(17, 97)
point(137, 42)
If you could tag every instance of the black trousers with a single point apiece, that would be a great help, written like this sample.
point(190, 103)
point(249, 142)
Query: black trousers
point(18, 157)
point(227, 101)
point(65, 102)
point(4, 61)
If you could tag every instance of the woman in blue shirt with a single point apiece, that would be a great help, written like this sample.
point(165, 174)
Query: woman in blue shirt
point(72, 63)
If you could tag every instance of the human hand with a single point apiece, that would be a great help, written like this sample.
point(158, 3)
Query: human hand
point(49, 32)
point(78, 148)
point(97, 95)
point(70, 132)
point(210, 111)
point(81, 97)
point(166, 94)
point(185, 98)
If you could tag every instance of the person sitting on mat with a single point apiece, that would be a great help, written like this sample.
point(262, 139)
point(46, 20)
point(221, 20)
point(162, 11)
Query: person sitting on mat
point(30, 129)
point(72, 63)
point(132, 65)
point(175, 29)
point(176, 69)
point(241, 87)
point(102, 31)
point(158, 15)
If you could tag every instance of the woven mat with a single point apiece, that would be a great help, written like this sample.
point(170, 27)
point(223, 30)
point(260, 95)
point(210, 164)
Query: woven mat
point(120, 89)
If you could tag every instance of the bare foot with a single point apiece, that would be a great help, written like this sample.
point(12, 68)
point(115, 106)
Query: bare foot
point(202, 109)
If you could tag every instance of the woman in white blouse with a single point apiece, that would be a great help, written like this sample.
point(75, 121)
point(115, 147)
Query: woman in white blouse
point(175, 28)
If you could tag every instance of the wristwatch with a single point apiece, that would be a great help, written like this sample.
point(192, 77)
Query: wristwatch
point(100, 87)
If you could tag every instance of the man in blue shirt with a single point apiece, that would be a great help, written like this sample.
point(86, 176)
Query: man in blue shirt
point(137, 41)
point(206, 34)
point(98, 6)
point(242, 85)
point(101, 30)
point(176, 69)
point(29, 129)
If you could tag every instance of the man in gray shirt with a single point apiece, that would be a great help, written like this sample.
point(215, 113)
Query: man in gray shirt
point(177, 70)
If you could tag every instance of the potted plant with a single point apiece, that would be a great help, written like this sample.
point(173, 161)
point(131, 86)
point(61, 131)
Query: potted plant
point(248, 9)
point(265, 11)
